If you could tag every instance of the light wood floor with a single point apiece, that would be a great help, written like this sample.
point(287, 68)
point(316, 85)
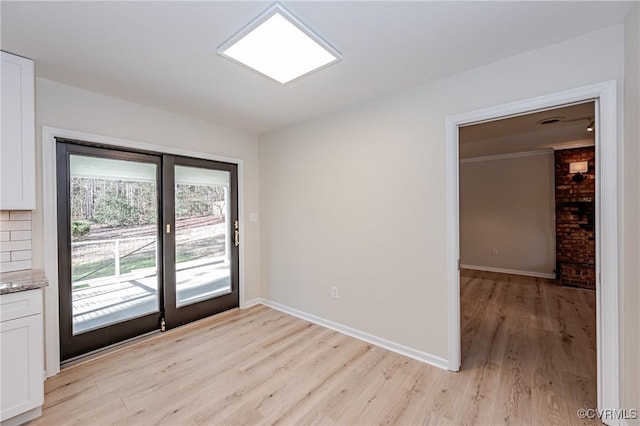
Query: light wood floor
point(528, 353)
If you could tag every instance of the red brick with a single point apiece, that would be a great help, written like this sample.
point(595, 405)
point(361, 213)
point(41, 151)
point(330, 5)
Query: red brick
point(575, 219)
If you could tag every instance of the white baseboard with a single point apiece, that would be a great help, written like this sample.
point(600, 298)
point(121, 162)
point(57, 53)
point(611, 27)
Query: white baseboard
point(250, 303)
point(23, 418)
point(361, 335)
point(509, 271)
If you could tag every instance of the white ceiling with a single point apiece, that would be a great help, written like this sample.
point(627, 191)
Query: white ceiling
point(524, 133)
point(163, 54)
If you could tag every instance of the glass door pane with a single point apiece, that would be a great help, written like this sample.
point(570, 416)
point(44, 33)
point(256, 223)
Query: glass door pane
point(202, 234)
point(113, 207)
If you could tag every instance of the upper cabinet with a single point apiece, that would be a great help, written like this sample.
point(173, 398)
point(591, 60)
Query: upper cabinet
point(18, 144)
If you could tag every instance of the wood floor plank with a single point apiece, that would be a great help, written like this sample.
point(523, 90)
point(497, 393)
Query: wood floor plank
point(528, 350)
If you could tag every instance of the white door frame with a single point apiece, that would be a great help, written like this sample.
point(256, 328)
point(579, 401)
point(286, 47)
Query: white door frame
point(607, 315)
point(50, 222)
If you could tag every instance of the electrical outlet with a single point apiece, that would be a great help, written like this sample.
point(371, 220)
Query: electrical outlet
point(495, 251)
point(334, 292)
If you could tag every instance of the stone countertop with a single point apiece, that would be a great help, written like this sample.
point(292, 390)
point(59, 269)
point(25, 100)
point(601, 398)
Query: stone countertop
point(13, 282)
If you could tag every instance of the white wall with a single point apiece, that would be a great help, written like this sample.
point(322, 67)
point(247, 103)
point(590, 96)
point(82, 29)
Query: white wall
point(356, 199)
point(70, 108)
point(509, 205)
point(631, 272)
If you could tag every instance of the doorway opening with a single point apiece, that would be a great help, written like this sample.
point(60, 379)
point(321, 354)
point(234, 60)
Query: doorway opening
point(527, 257)
point(606, 224)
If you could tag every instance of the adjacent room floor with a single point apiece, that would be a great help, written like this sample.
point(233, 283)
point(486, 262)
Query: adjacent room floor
point(528, 358)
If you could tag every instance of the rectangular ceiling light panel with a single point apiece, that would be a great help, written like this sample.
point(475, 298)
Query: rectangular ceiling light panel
point(278, 45)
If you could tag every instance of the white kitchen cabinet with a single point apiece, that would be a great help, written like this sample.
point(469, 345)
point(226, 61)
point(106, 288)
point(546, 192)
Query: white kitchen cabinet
point(18, 143)
point(22, 354)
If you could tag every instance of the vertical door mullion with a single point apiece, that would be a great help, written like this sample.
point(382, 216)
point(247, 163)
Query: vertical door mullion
point(235, 252)
point(160, 243)
point(169, 235)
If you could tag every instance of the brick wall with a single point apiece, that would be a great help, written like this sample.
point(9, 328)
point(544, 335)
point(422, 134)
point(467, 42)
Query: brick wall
point(15, 240)
point(575, 220)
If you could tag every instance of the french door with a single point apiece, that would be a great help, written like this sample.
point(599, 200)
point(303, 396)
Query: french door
point(201, 255)
point(146, 242)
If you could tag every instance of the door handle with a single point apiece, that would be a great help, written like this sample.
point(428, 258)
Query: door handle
point(236, 238)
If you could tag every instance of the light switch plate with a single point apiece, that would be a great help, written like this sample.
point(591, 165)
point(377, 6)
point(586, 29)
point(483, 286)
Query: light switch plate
point(253, 217)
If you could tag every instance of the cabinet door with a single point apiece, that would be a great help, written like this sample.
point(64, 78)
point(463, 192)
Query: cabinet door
point(17, 146)
point(22, 365)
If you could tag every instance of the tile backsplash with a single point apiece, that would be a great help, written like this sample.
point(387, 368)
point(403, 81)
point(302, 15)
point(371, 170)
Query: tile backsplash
point(15, 240)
